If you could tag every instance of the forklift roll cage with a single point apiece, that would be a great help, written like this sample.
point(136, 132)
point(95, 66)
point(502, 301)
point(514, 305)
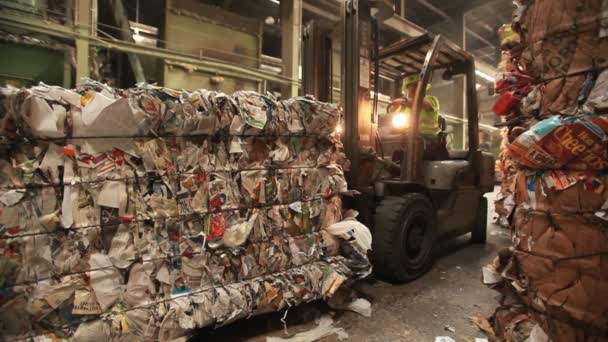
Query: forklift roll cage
point(403, 57)
point(421, 55)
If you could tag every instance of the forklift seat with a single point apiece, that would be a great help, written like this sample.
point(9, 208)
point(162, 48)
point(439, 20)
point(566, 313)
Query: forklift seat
point(447, 174)
point(459, 154)
point(438, 149)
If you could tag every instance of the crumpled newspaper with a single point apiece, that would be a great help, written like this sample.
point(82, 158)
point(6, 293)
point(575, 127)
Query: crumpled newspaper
point(147, 212)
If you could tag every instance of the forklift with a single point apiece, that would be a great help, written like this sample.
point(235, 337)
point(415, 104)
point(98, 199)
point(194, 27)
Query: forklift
point(416, 197)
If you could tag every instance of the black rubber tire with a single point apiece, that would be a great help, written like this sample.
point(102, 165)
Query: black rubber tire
point(479, 233)
point(394, 219)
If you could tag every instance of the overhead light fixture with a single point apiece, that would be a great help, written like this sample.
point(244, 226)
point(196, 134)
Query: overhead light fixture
point(138, 38)
point(485, 76)
point(269, 21)
point(276, 1)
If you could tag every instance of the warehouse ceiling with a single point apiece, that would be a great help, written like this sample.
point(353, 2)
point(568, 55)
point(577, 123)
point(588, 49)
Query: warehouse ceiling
point(482, 19)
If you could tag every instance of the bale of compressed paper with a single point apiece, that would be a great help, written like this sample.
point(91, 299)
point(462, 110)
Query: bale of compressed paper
point(564, 142)
point(557, 266)
point(554, 277)
point(561, 38)
point(141, 214)
point(521, 317)
point(561, 264)
point(516, 323)
point(504, 202)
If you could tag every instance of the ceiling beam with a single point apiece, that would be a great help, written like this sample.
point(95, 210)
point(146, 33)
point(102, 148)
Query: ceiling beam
point(479, 37)
point(447, 14)
point(321, 12)
point(400, 25)
point(435, 9)
point(481, 23)
point(330, 10)
point(489, 10)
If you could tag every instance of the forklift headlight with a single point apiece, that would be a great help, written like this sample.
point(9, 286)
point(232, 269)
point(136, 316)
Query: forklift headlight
point(400, 120)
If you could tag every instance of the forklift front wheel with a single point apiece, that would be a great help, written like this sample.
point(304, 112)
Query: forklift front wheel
point(480, 230)
point(404, 233)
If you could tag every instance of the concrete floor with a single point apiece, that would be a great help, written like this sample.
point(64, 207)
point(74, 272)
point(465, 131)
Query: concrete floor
point(447, 295)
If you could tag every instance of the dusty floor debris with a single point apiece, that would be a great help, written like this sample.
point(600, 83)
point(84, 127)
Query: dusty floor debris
point(324, 328)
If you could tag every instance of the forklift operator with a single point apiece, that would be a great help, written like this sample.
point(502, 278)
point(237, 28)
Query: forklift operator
point(429, 113)
point(399, 114)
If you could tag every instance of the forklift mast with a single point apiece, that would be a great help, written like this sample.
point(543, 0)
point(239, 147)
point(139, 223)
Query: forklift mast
point(359, 41)
point(356, 60)
point(359, 46)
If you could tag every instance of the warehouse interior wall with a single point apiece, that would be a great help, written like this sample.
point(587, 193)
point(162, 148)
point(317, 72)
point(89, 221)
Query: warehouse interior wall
point(200, 29)
point(25, 65)
point(179, 77)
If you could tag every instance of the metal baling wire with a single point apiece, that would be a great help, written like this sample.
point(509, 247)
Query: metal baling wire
point(157, 218)
point(211, 288)
point(554, 223)
point(284, 318)
point(140, 260)
point(590, 213)
point(159, 136)
point(558, 259)
point(280, 273)
point(549, 216)
point(158, 176)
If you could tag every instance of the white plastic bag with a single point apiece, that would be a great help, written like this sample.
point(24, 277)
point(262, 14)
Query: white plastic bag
point(351, 228)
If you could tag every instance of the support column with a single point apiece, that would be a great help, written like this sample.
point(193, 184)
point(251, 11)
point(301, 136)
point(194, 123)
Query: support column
point(120, 16)
point(84, 25)
point(67, 69)
point(82, 60)
point(316, 62)
point(291, 31)
point(69, 12)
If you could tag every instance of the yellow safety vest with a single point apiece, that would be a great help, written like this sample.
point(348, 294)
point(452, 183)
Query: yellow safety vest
point(428, 123)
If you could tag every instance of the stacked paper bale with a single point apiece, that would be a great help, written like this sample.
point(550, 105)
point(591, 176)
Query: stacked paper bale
point(554, 279)
point(504, 202)
point(141, 214)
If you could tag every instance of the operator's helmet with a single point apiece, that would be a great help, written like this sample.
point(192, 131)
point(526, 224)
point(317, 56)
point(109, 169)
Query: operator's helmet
point(410, 80)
